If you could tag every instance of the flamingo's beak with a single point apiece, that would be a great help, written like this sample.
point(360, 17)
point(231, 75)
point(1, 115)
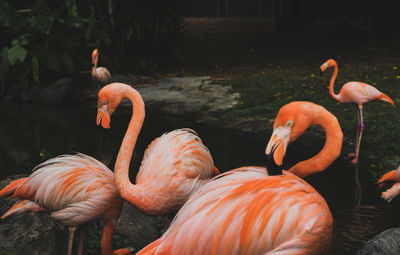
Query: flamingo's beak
point(323, 67)
point(276, 149)
point(103, 117)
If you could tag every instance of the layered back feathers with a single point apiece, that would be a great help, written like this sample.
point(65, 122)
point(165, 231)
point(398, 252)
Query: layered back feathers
point(243, 212)
point(74, 188)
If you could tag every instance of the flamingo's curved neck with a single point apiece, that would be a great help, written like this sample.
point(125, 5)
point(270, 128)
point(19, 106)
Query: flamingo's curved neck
point(126, 189)
point(330, 151)
point(94, 61)
point(332, 83)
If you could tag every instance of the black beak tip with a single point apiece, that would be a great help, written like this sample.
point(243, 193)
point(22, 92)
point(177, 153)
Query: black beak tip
point(272, 167)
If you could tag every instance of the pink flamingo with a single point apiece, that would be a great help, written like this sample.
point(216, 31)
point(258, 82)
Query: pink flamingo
point(78, 189)
point(393, 175)
point(74, 189)
point(173, 167)
point(99, 74)
point(249, 211)
point(354, 92)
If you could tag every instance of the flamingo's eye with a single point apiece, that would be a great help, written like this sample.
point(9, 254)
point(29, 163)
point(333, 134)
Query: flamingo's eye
point(289, 123)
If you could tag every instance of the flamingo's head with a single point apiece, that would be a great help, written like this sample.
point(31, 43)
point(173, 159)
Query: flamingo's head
point(109, 97)
point(327, 64)
point(95, 56)
point(291, 121)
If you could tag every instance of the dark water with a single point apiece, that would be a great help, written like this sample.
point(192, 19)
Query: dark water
point(30, 134)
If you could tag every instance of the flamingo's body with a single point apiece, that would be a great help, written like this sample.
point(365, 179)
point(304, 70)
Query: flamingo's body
point(73, 189)
point(99, 74)
point(173, 167)
point(77, 189)
point(248, 211)
point(394, 176)
point(355, 92)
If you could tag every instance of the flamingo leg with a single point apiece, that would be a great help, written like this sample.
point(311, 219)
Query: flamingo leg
point(106, 240)
point(106, 237)
point(360, 131)
point(81, 238)
point(70, 239)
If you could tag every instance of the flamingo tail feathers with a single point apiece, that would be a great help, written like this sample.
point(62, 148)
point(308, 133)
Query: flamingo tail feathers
point(390, 176)
point(22, 206)
point(13, 186)
point(385, 98)
point(216, 171)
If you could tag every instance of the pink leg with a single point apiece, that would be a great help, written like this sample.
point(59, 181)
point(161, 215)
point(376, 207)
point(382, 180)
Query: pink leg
point(70, 239)
point(81, 237)
point(360, 129)
point(360, 133)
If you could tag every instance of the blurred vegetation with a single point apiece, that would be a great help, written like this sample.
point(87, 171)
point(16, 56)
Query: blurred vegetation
point(43, 40)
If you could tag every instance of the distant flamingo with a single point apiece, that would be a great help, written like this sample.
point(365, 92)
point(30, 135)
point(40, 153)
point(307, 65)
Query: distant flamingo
point(74, 189)
point(354, 92)
point(99, 74)
point(174, 165)
point(248, 211)
point(393, 175)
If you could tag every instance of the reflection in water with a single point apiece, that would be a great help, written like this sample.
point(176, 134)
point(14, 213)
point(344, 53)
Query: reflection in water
point(30, 134)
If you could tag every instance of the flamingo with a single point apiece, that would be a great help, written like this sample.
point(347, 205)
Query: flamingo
point(393, 175)
point(74, 189)
point(77, 189)
point(173, 167)
point(249, 211)
point(354, 92)
point(99, 74)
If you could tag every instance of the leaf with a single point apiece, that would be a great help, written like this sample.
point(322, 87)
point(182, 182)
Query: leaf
point(17, 52)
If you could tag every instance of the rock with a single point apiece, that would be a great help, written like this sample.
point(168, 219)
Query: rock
point(138, 229)
point(31, 233)
point(385, 243)
point(188, 95)
point(64, 90)
point(32, 94)
point(133, 79)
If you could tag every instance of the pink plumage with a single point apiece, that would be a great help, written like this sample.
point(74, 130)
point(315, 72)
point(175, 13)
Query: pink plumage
point(245, 211)
point(173, 167)
point(249, 211)
point(99, 74)
point(355, 92)
point(73, 189)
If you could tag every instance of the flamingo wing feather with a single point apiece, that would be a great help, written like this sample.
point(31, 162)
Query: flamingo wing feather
point(245, 212)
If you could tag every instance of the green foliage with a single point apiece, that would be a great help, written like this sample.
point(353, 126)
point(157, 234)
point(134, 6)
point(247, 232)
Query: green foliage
point(45, 40)
point(33, 48)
